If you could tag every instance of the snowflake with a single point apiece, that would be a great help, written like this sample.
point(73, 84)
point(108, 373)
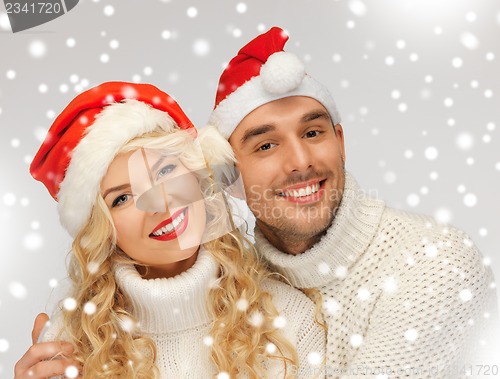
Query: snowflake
point(356, 340)
point(411, 335)
point(69, 304)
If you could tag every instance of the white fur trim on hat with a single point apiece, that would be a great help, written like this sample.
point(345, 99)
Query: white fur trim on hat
point(282, 72)
point(116, 125)
point(252, 94)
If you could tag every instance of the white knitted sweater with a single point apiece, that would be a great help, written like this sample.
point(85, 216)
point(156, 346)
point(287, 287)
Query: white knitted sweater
point(173, 312)
point(402, 296)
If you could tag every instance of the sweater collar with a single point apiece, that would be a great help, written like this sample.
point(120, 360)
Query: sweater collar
point(352, 230)
point(170, 304)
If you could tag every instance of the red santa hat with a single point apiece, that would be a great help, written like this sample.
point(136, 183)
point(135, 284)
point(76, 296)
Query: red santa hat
point(88, 134)
point(262, 72)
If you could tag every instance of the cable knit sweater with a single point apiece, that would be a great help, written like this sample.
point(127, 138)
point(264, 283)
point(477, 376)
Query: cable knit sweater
point(174, 313)
point(402, 295)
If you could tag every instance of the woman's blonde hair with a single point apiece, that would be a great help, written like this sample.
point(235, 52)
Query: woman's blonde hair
point(106, 350)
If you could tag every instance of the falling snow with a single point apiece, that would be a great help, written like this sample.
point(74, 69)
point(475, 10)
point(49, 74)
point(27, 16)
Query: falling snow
point(356, 340)
point(18, 290)
point(71, 372)
point(241, 8)
point(469, 40)
point(411, 335)
point(201, 47)
point(208, 340)
point(357, 7)
point(443, 216)
point(465, 295)
point(363, 294)
point(390, 285)
point(109, 10)
point(4, 21)
point(4, 345)
point(89, 308)
point(192, 12)
point(431, 251)
point(431, 153)
point(457, 62)
point(256, 319)
point(465, 141)
point(341, 272)
point(314, 358)
point(271, 348)
point(413, 200)
point(37, 49)
point(468, 147)
point(324, 268)
point(242, 305)
point(279, 322)
point(470, 200)
point(33, 241)
point(331, 306)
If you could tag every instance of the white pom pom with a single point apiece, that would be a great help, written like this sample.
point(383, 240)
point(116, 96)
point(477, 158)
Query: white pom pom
point(283, 72)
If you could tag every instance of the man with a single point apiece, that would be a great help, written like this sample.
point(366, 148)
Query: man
point(401, 295)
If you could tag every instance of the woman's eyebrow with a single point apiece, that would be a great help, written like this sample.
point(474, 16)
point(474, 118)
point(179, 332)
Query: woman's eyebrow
point(114, 189)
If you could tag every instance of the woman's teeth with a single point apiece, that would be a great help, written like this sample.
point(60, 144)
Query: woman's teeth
point(169, 227)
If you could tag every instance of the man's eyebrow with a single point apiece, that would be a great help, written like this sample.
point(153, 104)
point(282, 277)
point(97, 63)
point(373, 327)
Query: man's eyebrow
point(253, 132)
point(314, 115)
point(114, 189)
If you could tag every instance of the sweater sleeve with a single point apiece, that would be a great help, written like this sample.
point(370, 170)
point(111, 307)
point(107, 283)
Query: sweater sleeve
point(52, 331)
point(438, 318)
point(302, 328)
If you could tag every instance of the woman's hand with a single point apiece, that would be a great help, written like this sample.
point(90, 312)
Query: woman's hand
point(46, 359)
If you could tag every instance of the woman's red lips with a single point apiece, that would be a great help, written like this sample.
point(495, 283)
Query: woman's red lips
point(172, 227)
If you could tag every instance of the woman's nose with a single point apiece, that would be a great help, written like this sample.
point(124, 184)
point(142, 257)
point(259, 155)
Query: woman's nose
point(154, 200)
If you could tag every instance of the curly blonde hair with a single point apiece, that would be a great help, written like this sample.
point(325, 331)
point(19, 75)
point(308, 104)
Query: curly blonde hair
point(106, 350)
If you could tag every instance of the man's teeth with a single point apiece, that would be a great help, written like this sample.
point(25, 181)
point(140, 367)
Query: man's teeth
point(168, 228)
point(303, 191)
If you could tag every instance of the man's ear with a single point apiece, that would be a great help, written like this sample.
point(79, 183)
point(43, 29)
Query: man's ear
point(339, 134)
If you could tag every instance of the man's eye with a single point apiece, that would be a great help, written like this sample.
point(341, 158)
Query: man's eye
point(312, 133)
point(120, 200)
point(166, 170)
point(266, 146)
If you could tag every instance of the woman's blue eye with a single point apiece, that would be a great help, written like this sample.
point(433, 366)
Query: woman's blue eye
point(120, 200)
point(166, 170)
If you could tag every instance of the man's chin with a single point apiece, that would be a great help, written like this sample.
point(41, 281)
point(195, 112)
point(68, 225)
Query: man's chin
point(297, 229)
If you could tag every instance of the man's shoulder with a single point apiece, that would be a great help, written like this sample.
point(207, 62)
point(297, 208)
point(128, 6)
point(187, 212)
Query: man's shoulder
point(422, 224)
point(426, 240)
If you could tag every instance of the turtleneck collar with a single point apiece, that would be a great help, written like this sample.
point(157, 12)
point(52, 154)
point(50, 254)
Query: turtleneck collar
point(352, 230)
point(170, 304)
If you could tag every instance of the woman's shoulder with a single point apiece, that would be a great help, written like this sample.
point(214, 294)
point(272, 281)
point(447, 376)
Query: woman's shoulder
point(287, 298)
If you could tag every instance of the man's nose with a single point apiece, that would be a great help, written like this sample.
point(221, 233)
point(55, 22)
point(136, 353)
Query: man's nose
point(297, 156)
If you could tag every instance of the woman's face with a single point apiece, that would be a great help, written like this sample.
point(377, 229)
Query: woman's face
point(157, 209)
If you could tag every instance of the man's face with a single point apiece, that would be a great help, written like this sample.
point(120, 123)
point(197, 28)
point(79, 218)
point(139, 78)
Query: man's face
point(291, 158)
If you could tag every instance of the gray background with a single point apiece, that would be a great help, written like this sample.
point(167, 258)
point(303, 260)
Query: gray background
point(391, 65)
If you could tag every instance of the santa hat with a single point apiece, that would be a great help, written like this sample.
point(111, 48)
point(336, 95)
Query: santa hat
point(262, 72)
point(88, 134)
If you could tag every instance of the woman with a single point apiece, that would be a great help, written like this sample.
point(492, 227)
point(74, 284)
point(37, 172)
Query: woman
point(163, 285)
